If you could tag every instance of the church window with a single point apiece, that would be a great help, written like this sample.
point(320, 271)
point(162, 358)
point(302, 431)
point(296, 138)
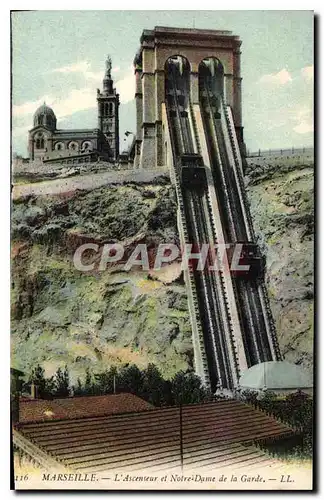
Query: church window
point(87, 146)
point(59, 146)
point(73, 146)
point(40, 141)
point(111, 108)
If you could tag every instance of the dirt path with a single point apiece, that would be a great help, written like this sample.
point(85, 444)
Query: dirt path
point(84, 182)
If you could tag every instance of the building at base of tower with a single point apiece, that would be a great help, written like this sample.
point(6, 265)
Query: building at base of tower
point(48, 144)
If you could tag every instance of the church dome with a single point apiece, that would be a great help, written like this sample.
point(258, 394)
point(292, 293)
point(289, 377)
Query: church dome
point(45, 116)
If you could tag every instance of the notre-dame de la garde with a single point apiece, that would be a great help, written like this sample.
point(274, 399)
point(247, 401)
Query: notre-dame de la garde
point(48, 144)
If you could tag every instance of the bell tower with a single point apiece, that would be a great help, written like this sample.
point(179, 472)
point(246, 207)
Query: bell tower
point(108, 113)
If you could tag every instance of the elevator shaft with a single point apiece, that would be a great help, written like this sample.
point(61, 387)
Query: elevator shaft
point(219, 339)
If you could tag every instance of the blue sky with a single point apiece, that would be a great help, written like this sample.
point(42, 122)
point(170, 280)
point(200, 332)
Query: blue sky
point(58, 56)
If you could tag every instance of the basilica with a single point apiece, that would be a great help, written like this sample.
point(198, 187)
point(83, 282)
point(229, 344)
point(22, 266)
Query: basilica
point(48, 144)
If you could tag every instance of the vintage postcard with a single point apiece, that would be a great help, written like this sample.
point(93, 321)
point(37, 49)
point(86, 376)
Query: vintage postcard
point(162, 236)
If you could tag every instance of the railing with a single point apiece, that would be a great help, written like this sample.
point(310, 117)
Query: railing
point(305, 151)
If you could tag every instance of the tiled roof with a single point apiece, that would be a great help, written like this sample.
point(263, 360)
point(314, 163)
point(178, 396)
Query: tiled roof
point(214, 434)
point(35, 410)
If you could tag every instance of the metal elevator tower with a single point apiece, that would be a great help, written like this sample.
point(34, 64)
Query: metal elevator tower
point(189, 118)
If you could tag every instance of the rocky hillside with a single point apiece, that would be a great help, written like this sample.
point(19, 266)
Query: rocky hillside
point(61, 315)
point(101, 318)
point(281, 192)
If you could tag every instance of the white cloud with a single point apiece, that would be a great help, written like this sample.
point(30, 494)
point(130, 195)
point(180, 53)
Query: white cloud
point(308, 73)
point(66, 104)
point(304, 128)
point(29, 107)
point(280, 78)
point(304, 118)
point(82, 67)
point(303, 112)
point(126, 88)
point(78, 67)
point(21, 131)
point(76, 100)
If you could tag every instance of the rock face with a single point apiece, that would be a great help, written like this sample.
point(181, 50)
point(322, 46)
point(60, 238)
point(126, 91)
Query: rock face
point(96, 319)
point(281, 192)
point(101, 318)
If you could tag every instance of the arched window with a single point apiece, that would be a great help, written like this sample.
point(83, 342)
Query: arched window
point(87, 146)
point(111, 108)
point(73, 146)
point(211, 77)
point(39, 143)
point(177, 81)
point(59, 146)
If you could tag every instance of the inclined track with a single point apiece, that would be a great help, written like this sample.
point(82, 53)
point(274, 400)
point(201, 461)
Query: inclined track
point(211, 305)
point(213, 308)
point(238, 228)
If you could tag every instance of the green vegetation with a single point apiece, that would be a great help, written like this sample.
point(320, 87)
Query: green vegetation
point(297, 411)
point(183, 388)
point(57, 386)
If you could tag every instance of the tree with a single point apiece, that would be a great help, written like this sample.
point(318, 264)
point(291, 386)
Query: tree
point(78, 389)
point(89, 387)
point(131, 380)
point(249, 396)
point(45, 386)
point(62, 383)
point(187, 388)
point(154, 386)
point(296, 409)
point(107, 381)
